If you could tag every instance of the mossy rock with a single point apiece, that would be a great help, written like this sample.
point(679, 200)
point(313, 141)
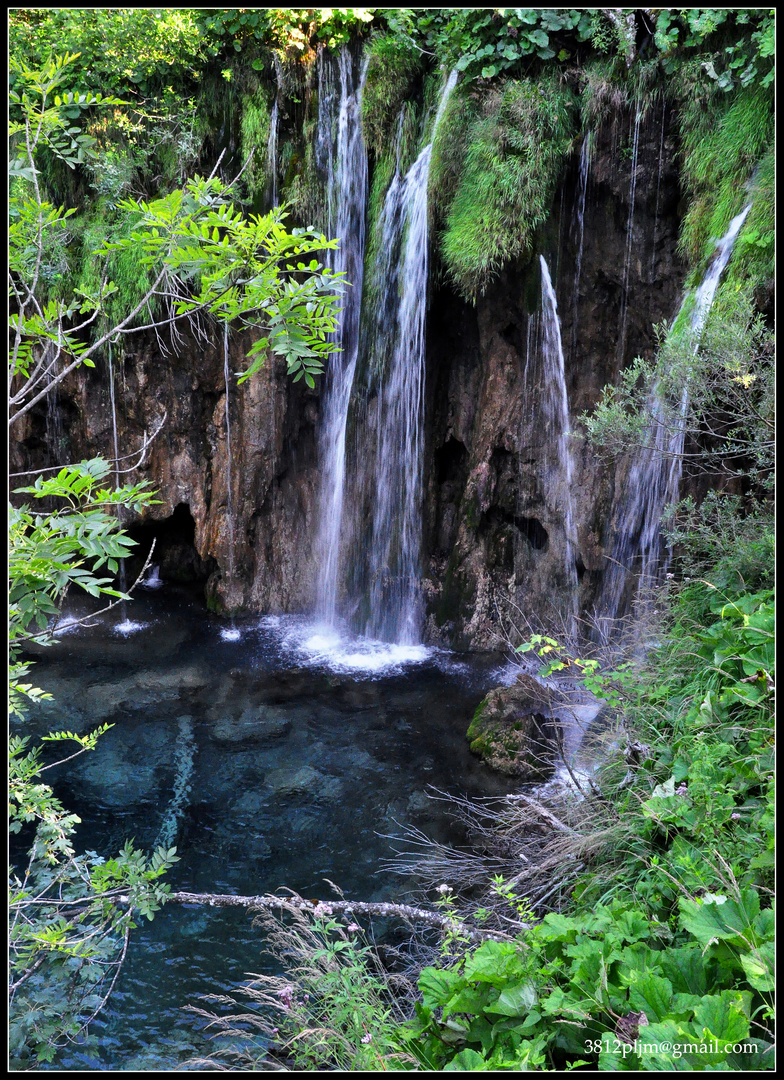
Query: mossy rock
point(512, 733)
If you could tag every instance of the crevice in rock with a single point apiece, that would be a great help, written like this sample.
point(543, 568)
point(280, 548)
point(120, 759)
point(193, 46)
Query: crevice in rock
point(175, 551)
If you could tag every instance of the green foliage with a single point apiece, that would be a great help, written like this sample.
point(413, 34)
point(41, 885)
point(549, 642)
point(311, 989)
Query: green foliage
point(192, 244)
point(743, 42)
point(121, 50)
point(245, 270)
point(289, 30)
point(514, 153)
point(70, 915)
point(255, 132)
point(51, 551)
point(683, 951)
point(730, 378)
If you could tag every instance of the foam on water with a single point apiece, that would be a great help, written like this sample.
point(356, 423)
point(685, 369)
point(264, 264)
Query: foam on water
point(128, 626)
point(230, 633)
point(320, 645)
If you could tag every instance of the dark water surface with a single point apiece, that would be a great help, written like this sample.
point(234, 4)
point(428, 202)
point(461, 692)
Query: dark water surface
point(272, 754)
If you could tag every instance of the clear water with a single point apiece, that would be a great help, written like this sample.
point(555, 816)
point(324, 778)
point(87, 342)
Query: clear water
point(273, 759)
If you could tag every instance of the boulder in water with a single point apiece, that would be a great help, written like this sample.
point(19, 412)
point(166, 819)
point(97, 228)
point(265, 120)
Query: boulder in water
point(512, 731)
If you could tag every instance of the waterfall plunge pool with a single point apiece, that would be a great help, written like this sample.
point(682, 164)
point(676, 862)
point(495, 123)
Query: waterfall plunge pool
point(273, 758)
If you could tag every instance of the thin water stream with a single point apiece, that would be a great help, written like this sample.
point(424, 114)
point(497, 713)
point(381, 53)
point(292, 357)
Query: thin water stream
point(655, 472)
point(553, 411)
point(275, 761)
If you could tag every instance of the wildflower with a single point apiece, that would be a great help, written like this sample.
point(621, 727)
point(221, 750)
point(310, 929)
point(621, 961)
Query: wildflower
point(682, 789)
point(735, 817)
point(444, 888)
point(366, 1038)
point(286, 995)
point(352, 928)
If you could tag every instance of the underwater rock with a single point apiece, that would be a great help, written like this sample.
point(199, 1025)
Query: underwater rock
point(253, 725)
point(512, 732)
point(290, 782)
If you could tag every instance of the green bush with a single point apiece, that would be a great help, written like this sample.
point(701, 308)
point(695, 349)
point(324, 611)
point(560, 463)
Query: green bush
point(669, 937)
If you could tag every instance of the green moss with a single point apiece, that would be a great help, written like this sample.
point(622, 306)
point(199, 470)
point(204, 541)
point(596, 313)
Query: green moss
point(394, 66)
point(254, 135)
point(753, 258)
point(124, 267)
point(725, 138)
point(516, 148)
point(450, 146)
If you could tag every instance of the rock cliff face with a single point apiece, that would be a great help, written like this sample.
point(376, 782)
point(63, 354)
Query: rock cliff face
point(494, 532)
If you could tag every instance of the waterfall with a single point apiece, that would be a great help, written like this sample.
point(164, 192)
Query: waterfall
point(344, 156)
point(116, 446)
point(627, 261)
point(553, 414)
point(272, 156)
point(655, 472)
point(393, 557)
point(578, 229)
point(229, 508)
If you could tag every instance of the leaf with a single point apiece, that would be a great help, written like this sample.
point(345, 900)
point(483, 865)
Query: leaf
point(515, 1000)
point(650, 994)
point(466, 1061)
point(494, 962)
point(722, 1016)
point(438, 986)
point(718, 918)
point(759, 967)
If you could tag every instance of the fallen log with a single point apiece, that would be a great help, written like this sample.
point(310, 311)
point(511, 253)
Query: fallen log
point(343, 907)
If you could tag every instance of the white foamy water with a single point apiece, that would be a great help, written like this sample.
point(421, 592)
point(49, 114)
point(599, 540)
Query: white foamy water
point(66, 625)
point(230, 633)
point(153, 579)
point(319, 645)
point(128, 626)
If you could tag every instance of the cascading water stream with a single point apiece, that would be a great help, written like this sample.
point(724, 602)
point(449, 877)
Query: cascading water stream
point(231, 634)
point(54, 421)
point(655, 472)
point(272, 157)
point(393, 558)
point(343, 153)
point(627, 261)
point(658, 189)
point(578, 229)
point(553, 413)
